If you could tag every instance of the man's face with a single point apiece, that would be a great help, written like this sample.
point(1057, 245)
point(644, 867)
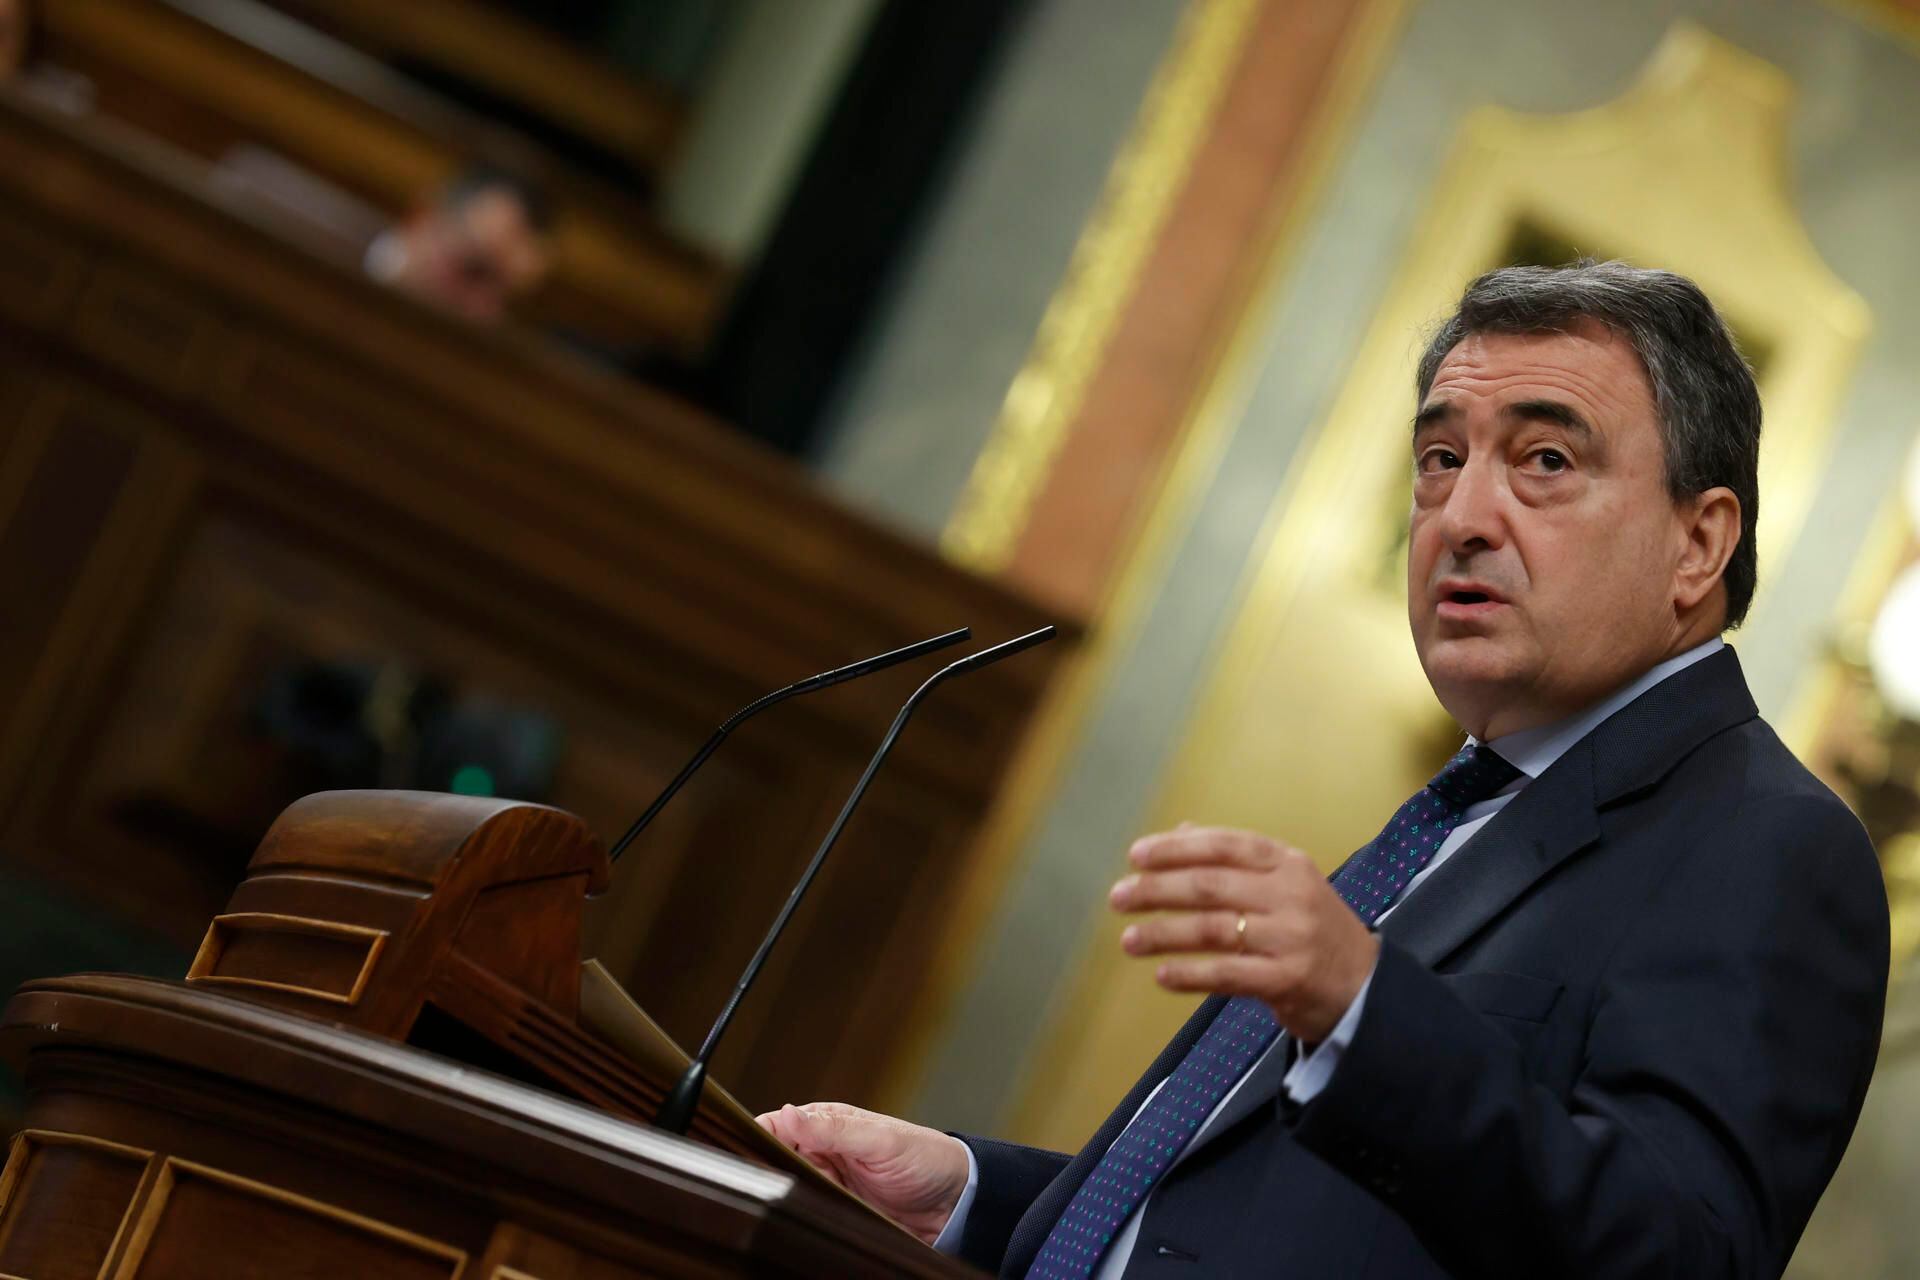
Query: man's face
point(476, 257)
point(1543, 546)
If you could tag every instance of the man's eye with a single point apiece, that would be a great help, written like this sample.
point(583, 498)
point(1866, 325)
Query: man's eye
point(1439, 460)
point(1551, 460)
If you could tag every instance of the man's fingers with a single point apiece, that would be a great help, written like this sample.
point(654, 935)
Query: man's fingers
point(1194, 889)
point(836, 1129)
point(799, 1126)
point(1193, 931)
point(1191, 846)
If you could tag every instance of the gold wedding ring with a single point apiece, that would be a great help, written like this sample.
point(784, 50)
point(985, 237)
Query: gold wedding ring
point(1240, 933)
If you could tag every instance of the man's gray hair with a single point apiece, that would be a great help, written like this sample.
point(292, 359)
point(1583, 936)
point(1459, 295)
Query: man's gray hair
point(1703, 388)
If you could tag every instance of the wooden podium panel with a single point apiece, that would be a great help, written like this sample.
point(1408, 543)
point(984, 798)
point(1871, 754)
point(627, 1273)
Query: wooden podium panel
point(179, 1133)
point(376, 1068)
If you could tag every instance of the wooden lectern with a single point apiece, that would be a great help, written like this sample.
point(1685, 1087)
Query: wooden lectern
point(376, 1068)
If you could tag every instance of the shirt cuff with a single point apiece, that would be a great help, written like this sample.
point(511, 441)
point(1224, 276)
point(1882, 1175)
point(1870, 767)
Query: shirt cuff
point(948, 1241)
point(1312, 1072)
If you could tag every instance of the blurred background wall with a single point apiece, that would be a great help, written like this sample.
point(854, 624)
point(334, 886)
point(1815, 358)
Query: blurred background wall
point(856, 319)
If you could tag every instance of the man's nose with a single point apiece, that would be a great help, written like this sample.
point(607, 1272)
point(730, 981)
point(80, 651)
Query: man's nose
point(1473, 517)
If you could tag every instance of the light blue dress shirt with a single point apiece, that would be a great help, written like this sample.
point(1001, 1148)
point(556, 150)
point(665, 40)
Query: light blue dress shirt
point(1530, 751)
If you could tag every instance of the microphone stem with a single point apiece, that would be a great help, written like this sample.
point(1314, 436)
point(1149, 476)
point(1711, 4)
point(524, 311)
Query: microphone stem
point(806, 881)
point(677, 1110)
point(687, 770)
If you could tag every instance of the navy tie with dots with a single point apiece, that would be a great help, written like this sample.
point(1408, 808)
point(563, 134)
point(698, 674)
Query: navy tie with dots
point(1370, 882)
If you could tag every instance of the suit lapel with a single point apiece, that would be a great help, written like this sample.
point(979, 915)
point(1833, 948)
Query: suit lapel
point(1548, 822)
point(1558, 814)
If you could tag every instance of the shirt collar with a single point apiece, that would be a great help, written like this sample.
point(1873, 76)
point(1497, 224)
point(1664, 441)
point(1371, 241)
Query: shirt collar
point(1532, 751)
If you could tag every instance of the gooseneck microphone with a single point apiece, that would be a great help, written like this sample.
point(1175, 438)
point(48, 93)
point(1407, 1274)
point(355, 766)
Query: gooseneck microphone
point(826, 679)
point(676, 1111)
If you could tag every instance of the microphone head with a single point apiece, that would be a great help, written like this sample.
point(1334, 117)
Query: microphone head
point(1005, 649)
point(880, 662)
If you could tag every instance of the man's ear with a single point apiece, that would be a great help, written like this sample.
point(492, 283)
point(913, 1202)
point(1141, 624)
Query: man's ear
point(1712, 525)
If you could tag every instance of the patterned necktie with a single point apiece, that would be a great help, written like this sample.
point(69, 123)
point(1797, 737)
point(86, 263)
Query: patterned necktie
point(1377, 875)
point(1370, 882)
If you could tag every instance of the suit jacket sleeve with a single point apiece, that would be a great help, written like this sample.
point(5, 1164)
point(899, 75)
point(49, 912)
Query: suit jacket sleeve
point(1729, 1042)
point(1011, 1178)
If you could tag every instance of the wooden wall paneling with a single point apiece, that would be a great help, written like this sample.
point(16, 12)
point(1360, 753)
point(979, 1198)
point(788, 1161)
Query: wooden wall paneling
point(171, 56)
point(614, 547)
point(517, 60)
point(22, 437)
point(248, 597)
point(313, 469)
point(919, 852)
point(344, 427)
point(93, 525)
point(568, 419)
point(40, 272)
point(143, 324)
point(688, 965)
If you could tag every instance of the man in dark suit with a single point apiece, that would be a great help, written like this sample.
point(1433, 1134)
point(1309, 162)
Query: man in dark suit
point(1602, 999)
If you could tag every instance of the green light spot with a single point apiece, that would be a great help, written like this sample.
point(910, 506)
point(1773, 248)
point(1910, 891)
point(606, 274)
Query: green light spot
point(471, 780)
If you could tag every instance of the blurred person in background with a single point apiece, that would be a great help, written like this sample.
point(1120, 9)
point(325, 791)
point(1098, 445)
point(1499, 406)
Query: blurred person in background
point(476, 247)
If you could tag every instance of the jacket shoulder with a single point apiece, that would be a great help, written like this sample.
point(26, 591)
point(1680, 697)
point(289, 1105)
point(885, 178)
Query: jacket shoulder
point(1765, 814)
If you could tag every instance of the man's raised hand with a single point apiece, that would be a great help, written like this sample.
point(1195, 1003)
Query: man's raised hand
point(912, 1174)
point(1301, 949)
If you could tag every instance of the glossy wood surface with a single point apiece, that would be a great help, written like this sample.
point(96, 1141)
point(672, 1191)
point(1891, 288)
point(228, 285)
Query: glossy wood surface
point(175, 1132)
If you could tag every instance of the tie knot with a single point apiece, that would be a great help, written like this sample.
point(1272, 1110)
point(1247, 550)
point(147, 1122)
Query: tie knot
point(1475, 774)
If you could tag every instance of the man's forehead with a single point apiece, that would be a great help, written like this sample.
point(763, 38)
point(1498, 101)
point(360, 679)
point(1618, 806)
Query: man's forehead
point(1588, 363)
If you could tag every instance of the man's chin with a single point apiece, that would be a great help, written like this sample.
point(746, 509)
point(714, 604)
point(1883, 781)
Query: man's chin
point(1465, 665)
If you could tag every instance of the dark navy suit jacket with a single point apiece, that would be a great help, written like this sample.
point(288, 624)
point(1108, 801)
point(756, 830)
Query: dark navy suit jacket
point(1624, 1031)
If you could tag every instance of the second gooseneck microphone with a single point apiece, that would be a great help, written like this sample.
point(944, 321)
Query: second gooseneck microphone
point(677, 1110)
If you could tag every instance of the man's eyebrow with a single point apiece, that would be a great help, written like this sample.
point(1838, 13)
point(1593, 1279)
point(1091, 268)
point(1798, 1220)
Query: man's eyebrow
point(1557, 412)
point(1433, 414)
point(1554, 411)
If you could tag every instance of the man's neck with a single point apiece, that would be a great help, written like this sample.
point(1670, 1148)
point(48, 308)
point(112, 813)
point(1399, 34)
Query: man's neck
point(1531, 750)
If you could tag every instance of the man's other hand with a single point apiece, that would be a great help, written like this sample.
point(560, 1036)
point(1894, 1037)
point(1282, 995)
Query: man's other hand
point(1301, 949)
point(913, 1174)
